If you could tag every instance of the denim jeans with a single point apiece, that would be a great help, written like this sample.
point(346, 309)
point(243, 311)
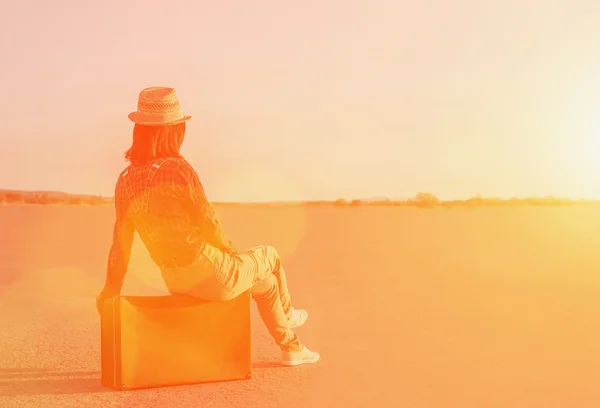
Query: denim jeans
point(217, 276)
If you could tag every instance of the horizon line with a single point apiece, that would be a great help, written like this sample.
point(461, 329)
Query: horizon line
point(373, 199)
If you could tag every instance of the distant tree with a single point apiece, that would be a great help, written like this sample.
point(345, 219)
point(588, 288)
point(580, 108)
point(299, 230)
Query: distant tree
point(425, 200)
point(13, 197)
point(96, 200)
point(73, 200)
point(44, 199)
point(340, 202)
point(475, 201)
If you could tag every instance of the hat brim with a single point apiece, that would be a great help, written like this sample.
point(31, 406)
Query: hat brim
point(135, 117)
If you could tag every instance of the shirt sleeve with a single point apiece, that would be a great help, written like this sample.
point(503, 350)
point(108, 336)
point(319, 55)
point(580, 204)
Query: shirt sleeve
point(120, 251)
point(204, 215)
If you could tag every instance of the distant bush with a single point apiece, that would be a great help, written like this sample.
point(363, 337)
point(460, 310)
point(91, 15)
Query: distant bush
point(29, 199)
point(73, 200)
point(424, 200)
point(429, 200)
point(12, 197)
point(42, 198)
point(421, 200)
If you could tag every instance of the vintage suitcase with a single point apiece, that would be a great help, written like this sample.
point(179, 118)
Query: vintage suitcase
point(156, 341)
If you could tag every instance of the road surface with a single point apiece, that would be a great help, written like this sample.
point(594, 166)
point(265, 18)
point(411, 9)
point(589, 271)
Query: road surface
point(409, 308)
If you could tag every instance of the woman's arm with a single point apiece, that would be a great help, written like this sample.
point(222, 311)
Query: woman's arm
point(120, 251)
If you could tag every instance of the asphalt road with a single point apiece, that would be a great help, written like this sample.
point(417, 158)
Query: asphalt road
point(413, 308)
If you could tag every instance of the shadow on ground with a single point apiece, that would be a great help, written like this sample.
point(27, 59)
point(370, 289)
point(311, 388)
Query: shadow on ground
point(16, 382)
point(27, 382)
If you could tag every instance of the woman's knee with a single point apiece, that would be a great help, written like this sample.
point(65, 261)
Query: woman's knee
point(264, 288)
point(272, 255)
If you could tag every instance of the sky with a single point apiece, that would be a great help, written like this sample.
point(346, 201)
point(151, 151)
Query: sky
point(310, 100)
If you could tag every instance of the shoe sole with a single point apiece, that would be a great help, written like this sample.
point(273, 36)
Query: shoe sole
point(299, 362)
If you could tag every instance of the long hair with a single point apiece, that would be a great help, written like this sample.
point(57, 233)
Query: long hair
point(154, 142)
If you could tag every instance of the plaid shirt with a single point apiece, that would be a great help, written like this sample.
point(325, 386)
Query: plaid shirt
point(165, 203)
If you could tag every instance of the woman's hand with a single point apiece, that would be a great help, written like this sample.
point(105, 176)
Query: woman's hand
point(106, 293)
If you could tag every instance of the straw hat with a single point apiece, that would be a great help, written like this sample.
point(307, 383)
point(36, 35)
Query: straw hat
point(158, 106)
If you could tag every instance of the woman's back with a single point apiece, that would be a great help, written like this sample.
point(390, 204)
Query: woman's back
point(155, 197)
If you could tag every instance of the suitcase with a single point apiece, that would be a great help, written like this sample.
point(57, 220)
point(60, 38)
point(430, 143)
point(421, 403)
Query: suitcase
point(159, 341)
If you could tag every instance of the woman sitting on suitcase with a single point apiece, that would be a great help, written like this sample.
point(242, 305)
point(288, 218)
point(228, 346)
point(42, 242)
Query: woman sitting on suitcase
point(160, 196)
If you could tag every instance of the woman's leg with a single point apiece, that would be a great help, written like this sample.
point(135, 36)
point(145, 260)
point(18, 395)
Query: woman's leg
point(268, 301)
point(268, 263)
point(261, 274)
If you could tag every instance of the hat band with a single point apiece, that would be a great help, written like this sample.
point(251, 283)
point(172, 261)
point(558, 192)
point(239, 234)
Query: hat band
point(159, 117)
point(158, 106)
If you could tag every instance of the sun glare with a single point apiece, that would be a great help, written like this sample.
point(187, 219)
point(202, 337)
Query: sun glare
point(581, 140)
point(252, 185)
point(143, 270)
point(262, 185)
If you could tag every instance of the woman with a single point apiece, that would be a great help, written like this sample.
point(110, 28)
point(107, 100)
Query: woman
point(160, 195)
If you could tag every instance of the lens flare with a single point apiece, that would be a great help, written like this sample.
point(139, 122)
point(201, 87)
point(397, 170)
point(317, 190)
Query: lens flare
point(143, 276)
point(280, 220)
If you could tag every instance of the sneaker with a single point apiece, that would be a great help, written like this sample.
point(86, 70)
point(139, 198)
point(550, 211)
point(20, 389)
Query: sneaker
point(304, 356)
point(298, 318)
